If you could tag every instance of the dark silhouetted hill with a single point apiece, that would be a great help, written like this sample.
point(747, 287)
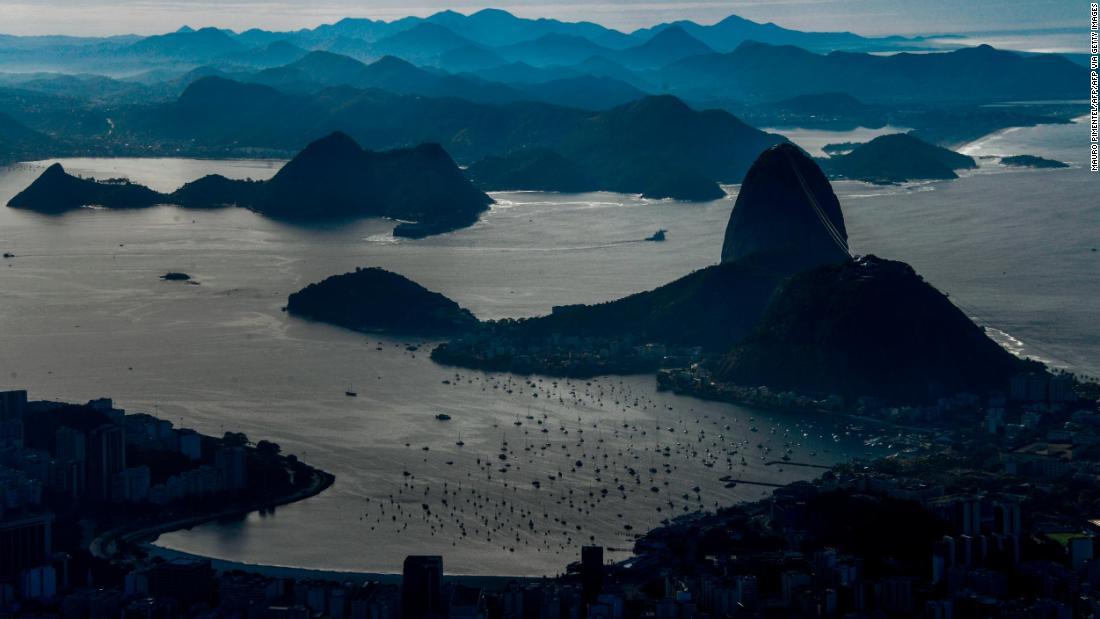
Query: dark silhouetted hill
point(374, 299)
point(536, 169)
point(867, 327)
point(55, 191)
point(760, 72)
point(19, 142)
point(786, 206)
point(331, 179)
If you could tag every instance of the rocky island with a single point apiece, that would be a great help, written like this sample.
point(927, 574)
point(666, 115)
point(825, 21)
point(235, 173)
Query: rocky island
point(1031, 161)
point(897, 158)
point(374, 299)
point(332, 179)
point(57, 191)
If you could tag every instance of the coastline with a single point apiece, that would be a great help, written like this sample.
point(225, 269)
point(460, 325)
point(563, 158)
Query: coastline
point(106, 544)
point(306, 573)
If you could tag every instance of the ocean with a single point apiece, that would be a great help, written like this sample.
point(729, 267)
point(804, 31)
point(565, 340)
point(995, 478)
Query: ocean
point(84, 315)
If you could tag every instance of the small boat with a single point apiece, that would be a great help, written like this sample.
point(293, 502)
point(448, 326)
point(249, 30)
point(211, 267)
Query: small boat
point(443, 417)
point(351, 394)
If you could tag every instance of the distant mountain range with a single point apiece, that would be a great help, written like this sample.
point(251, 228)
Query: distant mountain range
point(431, 40)
point(566, 69)
point(658, 146)
point(762, 72)
point(491, 84)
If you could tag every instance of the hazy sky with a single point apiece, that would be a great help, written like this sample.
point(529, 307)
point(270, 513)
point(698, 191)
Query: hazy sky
point(99, 17)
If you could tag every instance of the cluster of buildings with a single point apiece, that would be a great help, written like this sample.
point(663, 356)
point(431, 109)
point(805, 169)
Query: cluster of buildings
point(191, 587)
point(61, 464)
point(697, 381)
point(967, 555)
point(995, 512)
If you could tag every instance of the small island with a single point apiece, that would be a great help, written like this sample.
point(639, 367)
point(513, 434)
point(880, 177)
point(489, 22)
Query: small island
point(332, 179)
point(373, 300)
point(57, 191)
point(173, 276)
point(1032, 161)
point(897, 158)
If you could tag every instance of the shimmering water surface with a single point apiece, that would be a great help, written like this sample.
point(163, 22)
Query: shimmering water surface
point(84, 314)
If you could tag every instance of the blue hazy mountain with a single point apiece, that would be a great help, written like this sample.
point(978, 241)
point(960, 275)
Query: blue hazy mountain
point(424, 43)
point(656, 146)
point(497, 28)
point(469, 58)
point(198, 45)
point(761, 72)
point(586, 91)
point(663, 48)
point(728, 34)
point(274, 54)
point(319, 70)
point(553, 49)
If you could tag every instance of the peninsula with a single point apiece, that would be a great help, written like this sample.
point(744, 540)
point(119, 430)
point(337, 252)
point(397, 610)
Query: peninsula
point(774, 232)
point(332, 179)
point(788, 310)
point(128, 477)
point(897, 158)
point(1031, 161)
